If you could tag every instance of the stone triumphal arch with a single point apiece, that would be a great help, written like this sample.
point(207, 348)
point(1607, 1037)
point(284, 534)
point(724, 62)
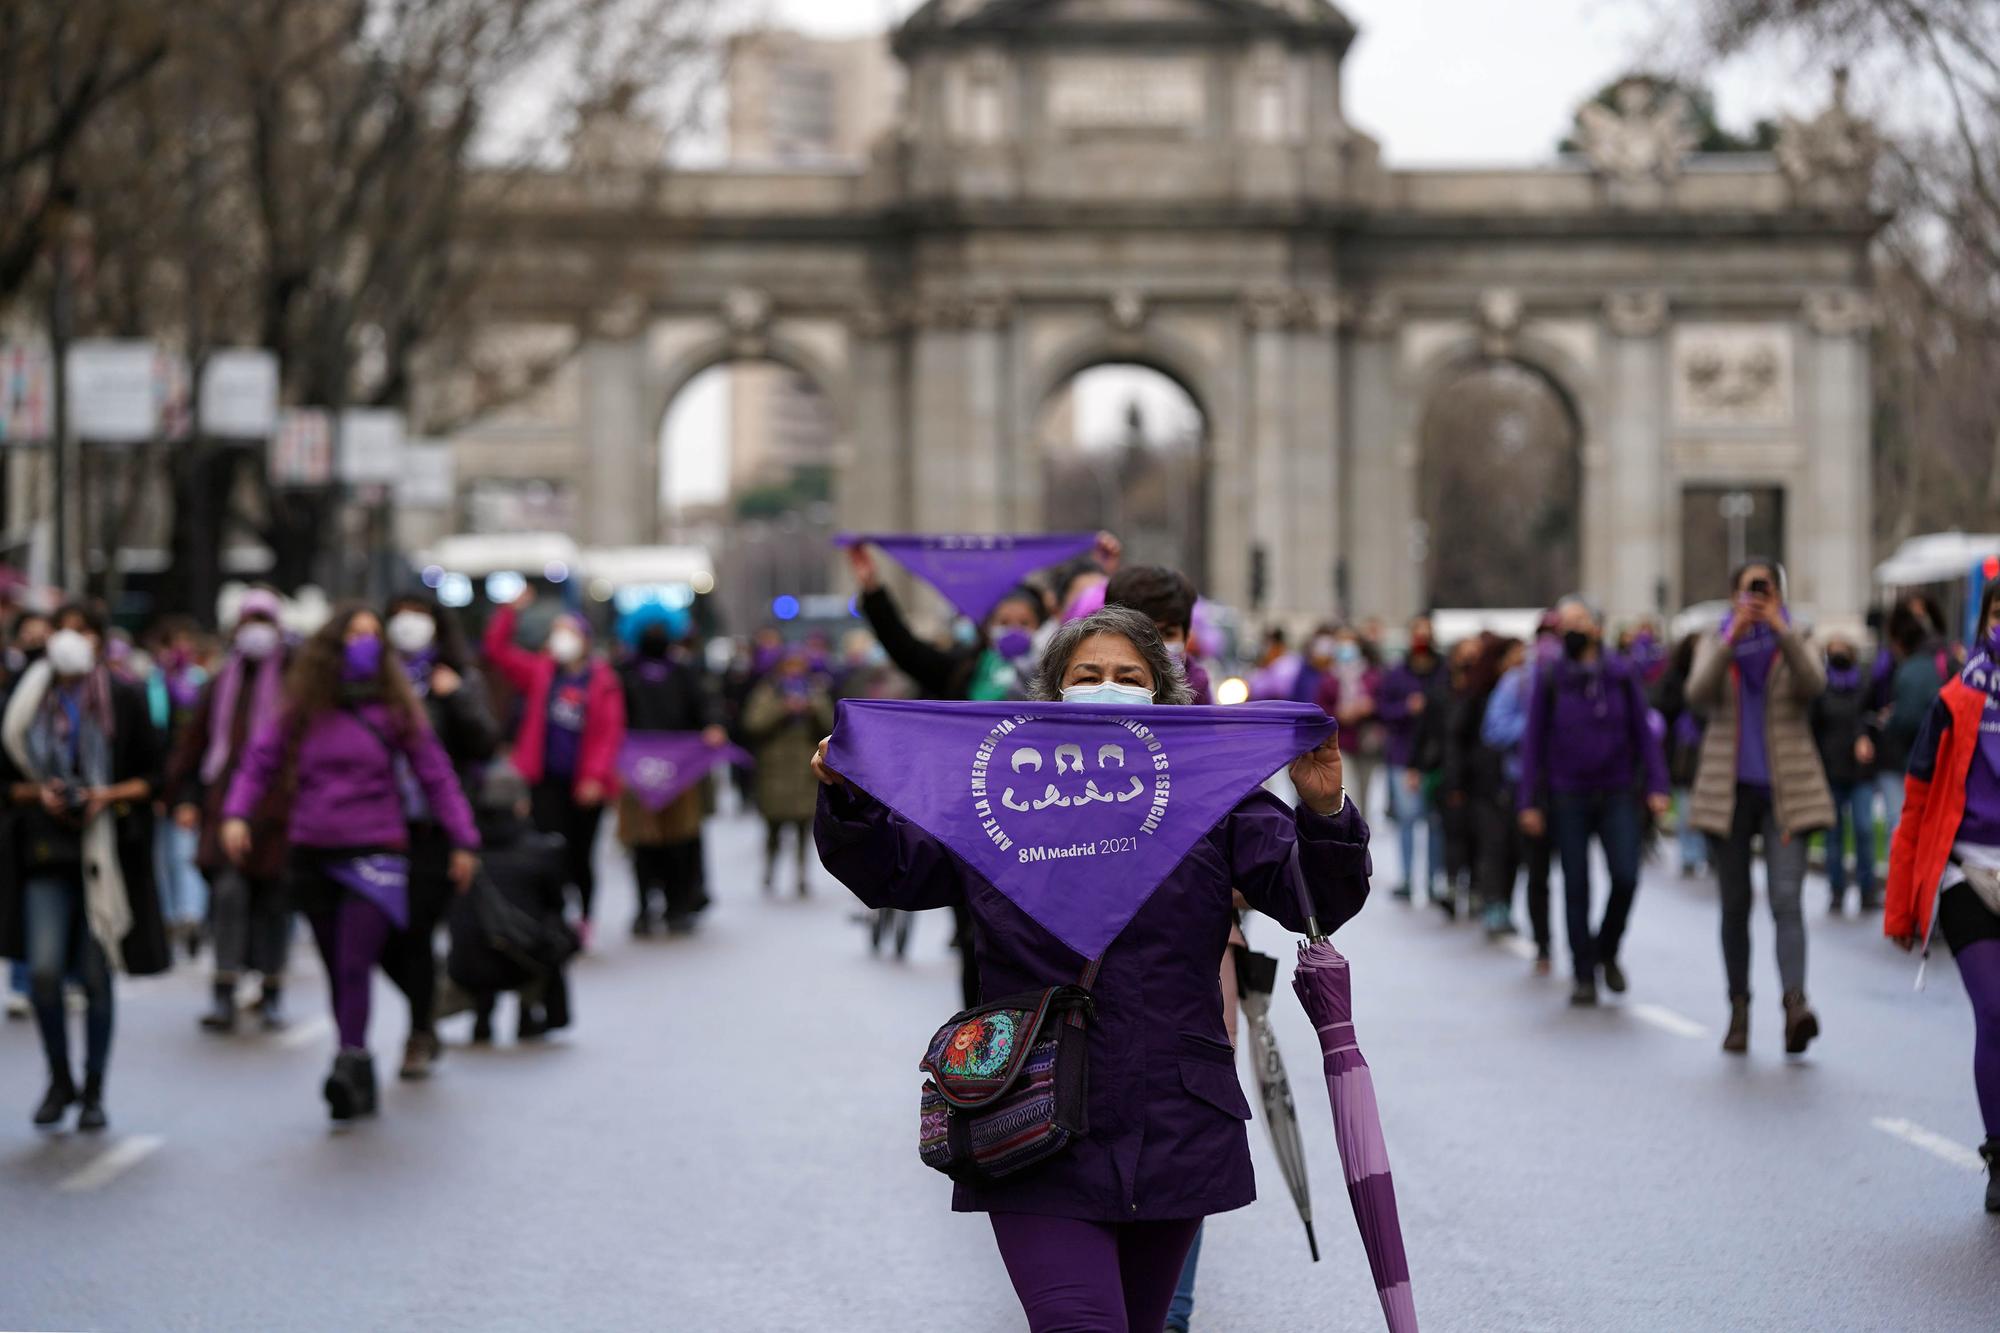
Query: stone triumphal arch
point(1174, 183)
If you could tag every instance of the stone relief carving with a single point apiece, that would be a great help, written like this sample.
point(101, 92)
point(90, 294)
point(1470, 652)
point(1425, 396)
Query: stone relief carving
point(1371, 314)
point(746, 313)
point(1638, 312)
point(1128, 311)
point(619, 318)
point(1267, 308)
point(1644, 140)
point(1732, 375)
point(1839, 313)
point(1829, 159)
point(1499, 320)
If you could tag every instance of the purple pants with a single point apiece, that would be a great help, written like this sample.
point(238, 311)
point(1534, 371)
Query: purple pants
point(1979, 969)
point(350, 936)
point(1093, 1277)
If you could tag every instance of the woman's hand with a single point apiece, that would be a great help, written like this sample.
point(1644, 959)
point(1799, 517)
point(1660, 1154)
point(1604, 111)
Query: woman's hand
point(826, 776)
point(715, 734)
point(1904, 942)
point(463, 868)
point(589, 793)
point(861, 561)
point(236, 840)
point(188, 815)
point(1109, 551)
point(444, 681)
point(1316, 774)
point(1533, 824)
point(1660, 804)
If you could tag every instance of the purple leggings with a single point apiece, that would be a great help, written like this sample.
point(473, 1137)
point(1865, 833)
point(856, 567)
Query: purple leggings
point(1979, 968)
point(1093, 1277)
point(350, 939)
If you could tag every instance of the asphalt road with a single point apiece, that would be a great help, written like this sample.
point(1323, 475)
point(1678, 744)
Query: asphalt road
point(725, 1141)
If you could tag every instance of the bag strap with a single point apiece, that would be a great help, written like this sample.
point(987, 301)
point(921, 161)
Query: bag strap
point(1087, 980)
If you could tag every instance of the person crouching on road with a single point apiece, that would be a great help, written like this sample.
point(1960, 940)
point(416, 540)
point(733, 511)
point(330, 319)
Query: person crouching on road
point(1585, 754)
point(349, 731)
point(84, 902)
point(523, 944)
point(572, 725)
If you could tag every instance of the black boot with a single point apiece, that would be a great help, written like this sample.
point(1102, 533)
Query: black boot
point(62, 1091)
point(1737, 1040)
point(350, 1088)
point(1990, 1150)
point(93, 1118)
point(271, 1007)
point(221, 1015)
point(1801, 1024)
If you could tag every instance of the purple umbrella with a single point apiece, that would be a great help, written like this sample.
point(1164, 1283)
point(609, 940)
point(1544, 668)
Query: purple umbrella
point(1324, 988)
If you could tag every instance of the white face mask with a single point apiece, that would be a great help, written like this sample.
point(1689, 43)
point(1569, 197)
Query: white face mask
point(257, 640)
point(1108, 692)
point(411, 632)
point(71, 653)
point(565, 645)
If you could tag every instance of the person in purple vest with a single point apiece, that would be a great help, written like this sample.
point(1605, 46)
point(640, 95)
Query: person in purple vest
point(1096, 1237)
point(1586, 758)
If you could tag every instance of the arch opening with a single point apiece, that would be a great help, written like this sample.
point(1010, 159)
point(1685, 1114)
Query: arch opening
point(1500, 490)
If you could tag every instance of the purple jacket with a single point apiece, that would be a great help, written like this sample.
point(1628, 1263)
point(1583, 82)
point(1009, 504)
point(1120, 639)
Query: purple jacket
point(1587, 733)
point(347, 790)
point(1392, 706)
point(1166, 1111)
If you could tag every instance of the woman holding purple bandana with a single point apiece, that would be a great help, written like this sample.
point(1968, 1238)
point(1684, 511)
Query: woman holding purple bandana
point(1760, 778)
point(1944, 865)
point(250, 919)
point(349, 722)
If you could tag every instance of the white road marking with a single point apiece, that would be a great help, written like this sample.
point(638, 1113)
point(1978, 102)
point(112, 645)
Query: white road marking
point(1937, 1145)
point(1667, 1020)
point(306, 1034)
point(1520, 946)
point(112, 1163)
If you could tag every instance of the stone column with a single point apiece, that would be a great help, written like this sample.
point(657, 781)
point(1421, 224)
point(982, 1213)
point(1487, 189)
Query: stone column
point(1267, 447)
point(621, 501)
point(1312, 491)
point(873, 485)
point(989, 440)
point(1834, 520)
point(1625, 472)
point(1378, 505)
point(938, 446)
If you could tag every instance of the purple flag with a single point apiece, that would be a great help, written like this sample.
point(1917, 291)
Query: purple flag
point(974, 570)
point(383, 878)
point(658, 766)
point(1075, 812)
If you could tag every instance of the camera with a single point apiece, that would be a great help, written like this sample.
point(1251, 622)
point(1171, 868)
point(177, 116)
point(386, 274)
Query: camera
point(1760, 587)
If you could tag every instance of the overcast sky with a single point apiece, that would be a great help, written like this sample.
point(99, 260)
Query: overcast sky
point(1437, 82)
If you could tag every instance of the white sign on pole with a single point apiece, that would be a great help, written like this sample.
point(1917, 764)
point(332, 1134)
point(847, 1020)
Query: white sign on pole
point(302, 450)
point(111, 391)
point(27, 393)
point(239, 394)
point(371, 446)
point(430, 476)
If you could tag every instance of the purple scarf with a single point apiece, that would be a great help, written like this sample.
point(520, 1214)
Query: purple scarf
point(270, 687)
point(1074, 812)
point(974, 570)
point(658, 766)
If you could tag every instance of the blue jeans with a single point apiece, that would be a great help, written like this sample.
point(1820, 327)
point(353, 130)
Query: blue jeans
point(1693, 842)
point(1613, 819)
point(1853, 806)
point(1181, 1312)
point(60, 946)
point(1891, 787)
point(1409, 809)
point(183, 891)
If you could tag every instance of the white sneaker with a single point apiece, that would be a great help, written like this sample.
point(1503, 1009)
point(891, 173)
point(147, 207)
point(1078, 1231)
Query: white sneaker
point(18, 1006)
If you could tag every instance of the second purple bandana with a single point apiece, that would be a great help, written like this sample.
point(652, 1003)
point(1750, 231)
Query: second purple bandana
point(1074, 812)
point(657, 766)
point(975, 570)
point(383, 878)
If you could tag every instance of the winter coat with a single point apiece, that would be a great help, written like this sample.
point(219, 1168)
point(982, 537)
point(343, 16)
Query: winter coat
point(783, 742)
point(1684, 727)
point(1933, 806)
point(1913, 687)
point(666, 695)
point(135, 753)
point(185, 787)
point(464, 724)
point(524, 869)
point(1166, 1113)
point(1800, 800)
point(533, 675)
point(1840, 719)
point(1400, 723)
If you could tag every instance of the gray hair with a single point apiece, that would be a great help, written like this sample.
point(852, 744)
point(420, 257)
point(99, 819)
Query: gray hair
point(1590, 608)
point(1169, 681)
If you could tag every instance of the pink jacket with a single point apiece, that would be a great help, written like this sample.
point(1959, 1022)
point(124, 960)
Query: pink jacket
point(533, 675)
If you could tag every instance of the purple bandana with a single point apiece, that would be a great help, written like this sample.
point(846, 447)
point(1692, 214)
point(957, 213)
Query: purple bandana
point(658, 766)
point(974, 570)
point(383, 878)
point(1075, 812)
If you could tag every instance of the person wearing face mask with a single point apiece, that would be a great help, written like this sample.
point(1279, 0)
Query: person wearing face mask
point(1406, 692)
point(1501, 731)
point(669, 693)
point(1841, 729)
point(566, 748)
point(1755, 677)
point(1347, 695)
point(84, 904)
point(250, 916)
point(352, 736)
point(27, 638)
point(1097, 1236)
point(785, 717)
point(453, 693)
point(1944, 862)
point(1586, 755)
point(1167, 598)
point(173, 688)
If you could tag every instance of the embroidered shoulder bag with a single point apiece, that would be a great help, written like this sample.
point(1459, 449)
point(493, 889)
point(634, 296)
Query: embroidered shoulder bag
point(1008, 1083)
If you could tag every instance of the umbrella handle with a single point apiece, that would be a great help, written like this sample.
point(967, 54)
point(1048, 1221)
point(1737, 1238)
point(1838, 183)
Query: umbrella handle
point(1312, 1241)
point(1313, 932)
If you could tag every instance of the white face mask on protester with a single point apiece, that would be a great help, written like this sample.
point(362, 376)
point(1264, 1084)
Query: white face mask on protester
point(565, 645)
point(71, 653)
point(1108, 692)
point(258, 640)
point(410, 632)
